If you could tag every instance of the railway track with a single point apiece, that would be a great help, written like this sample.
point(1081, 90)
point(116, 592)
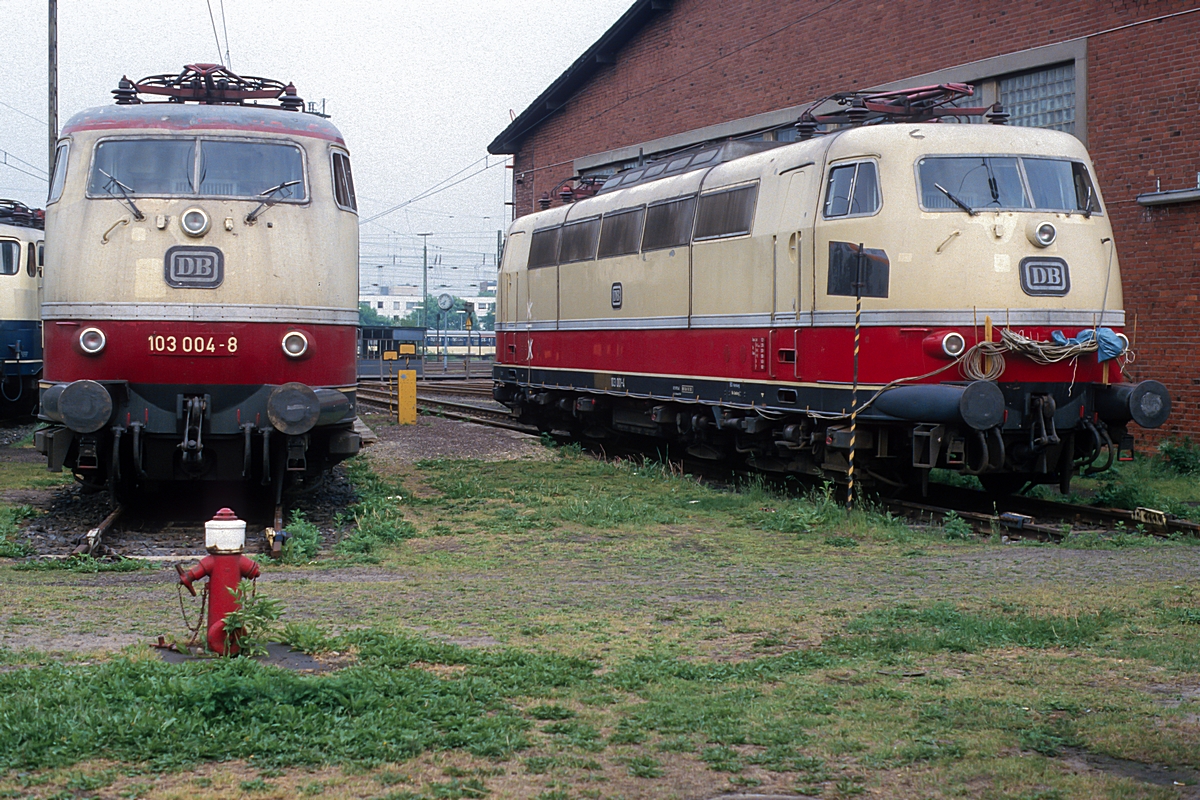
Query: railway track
point(1047, 520)
point(381, 396)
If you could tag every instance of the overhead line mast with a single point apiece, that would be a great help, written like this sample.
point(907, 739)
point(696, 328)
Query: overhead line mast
point(52, 82)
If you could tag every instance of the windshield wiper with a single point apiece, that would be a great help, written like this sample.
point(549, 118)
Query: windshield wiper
point(1089, 209)
point(955, 200)
point(270, 199)
point(125, 190)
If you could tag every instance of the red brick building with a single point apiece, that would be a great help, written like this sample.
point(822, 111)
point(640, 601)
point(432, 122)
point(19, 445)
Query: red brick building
point(1122, 75)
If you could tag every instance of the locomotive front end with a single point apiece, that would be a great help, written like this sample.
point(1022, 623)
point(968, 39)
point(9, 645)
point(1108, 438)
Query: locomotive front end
point(990, 293)
point(201, 304)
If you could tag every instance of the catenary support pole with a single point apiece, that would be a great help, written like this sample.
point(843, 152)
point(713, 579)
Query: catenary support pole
point(52, 82)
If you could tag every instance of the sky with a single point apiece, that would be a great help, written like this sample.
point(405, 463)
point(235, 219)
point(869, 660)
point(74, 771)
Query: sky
point(417, 87)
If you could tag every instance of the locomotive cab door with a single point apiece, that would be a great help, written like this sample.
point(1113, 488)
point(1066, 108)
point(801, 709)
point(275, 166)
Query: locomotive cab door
point(513, 296)
point(793, 264)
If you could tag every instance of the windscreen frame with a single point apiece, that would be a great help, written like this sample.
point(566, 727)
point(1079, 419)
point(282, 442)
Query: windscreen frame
point(195, 194)
point(1026, 185)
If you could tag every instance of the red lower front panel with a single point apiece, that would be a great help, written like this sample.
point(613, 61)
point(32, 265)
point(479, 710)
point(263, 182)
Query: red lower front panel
point(233, 353)
point(805, 355)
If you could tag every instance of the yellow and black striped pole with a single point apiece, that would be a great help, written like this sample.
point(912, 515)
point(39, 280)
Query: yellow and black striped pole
point(858, 287)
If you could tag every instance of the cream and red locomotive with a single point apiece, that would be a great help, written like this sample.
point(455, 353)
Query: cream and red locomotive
point(21, 254)
point(896, 285)
point(200, 297)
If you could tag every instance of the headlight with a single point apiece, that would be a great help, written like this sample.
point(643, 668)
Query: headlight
point(944, 344)
point(1042, 234)
point(953, 344)
point(194, 222)
point(92, 340)
point(295, 344)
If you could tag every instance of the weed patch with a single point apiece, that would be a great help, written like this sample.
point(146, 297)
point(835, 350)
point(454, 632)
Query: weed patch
point(303, 542)
point(943, 627)
point(10, 519)
point(377, 517)
point(84, 564)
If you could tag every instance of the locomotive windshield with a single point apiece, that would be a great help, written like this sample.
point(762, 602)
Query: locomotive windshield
point(197, 168)
point(992, 183)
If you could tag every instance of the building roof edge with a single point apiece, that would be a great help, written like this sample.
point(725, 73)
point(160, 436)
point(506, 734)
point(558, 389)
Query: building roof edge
point(602, 53)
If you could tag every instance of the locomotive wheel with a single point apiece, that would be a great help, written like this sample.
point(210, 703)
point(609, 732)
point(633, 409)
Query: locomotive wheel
point(1002, 484)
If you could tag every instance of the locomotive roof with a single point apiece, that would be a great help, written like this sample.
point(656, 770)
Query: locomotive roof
point(892, 140)
point(193, 117)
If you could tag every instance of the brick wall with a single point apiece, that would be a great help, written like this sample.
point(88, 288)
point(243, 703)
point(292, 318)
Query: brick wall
point(709, 61)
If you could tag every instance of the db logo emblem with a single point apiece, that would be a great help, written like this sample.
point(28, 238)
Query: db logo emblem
point(617, 295)
point(1045, 277)
point(194, 267)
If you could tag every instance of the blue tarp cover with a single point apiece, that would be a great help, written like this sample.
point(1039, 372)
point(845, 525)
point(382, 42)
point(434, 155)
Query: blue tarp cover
point(1109, 345)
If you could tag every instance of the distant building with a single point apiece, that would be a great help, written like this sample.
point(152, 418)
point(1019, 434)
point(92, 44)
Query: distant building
point(1120, 76)
point(398, 302)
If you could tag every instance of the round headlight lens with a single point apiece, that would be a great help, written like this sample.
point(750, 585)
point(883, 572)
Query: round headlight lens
point(1040, 232)
point(92, 340)
point(953, 344)
point(194, 222)
point(295, 344)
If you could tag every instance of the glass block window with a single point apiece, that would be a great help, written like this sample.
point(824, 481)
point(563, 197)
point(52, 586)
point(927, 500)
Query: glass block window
point(1044, 98)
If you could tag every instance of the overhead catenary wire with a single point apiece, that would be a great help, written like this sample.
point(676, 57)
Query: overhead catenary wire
point(225, 28)
point(438, 187)
point(4, 159)
point(213, 20)
point(22, 113)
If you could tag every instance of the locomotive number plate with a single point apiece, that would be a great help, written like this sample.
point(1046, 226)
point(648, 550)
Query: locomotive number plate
point(171, 344)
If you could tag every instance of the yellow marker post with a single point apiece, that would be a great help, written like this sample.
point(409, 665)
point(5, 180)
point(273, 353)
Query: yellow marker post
point(406, 397)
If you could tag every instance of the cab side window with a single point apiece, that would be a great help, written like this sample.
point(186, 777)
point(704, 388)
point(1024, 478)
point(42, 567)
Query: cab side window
point(543, 247)
point(343, 182)
point(60, 172)
point(10, 257)
point(852, 190)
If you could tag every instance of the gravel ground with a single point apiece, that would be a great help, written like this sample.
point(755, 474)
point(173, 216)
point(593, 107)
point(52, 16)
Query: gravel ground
point(438, 437)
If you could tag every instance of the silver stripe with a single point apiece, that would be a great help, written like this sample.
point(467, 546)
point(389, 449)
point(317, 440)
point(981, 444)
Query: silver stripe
point(201, 312)
point(731, 320)
point(1001, 317)
point(839, 319)
point(648, 323)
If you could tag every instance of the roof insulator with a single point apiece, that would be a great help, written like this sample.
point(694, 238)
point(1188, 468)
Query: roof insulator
point(125, 94)
point(997, 116)
point(290, 101)
point(857, 111)
point(806, 127)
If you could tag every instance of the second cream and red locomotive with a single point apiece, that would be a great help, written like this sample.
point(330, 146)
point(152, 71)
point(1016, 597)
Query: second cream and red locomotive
point(893, 286)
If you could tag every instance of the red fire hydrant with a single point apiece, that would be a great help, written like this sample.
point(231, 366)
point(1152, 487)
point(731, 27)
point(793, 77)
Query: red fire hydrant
point(225, 566)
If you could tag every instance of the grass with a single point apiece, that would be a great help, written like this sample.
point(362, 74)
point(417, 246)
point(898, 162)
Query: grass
point(724, 643)
point(10, 519)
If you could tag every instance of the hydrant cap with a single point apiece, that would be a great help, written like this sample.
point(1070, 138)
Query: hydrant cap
point(225, 533)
